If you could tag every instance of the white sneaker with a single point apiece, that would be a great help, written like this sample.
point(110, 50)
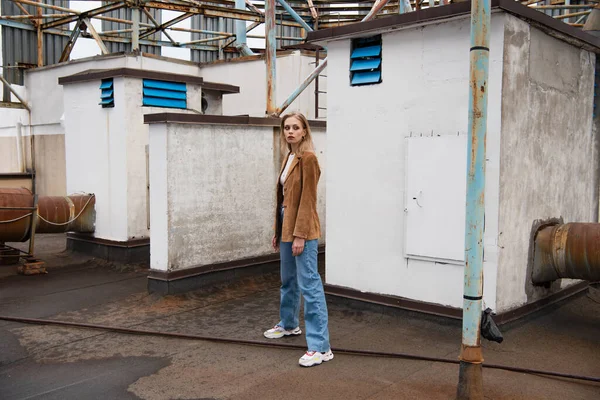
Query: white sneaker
point(278, 331)
point(311, 358)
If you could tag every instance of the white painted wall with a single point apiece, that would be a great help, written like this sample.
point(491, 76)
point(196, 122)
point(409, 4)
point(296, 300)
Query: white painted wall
point(159, 203)
point(250, 76)
point(213, 192)
point(9, 117)
point(366, 166)
point(109, 144)
point(45, 94)
point(96, 154)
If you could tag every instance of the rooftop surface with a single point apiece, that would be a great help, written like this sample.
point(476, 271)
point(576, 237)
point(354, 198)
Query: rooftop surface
point(59, 362)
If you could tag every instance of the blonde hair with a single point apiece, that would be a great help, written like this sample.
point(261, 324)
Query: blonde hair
point(307, 143)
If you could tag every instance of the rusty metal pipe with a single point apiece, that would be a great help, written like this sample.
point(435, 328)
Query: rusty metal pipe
point(270, 55)
point(566, 251)
point(53, 214)
point(19, 229)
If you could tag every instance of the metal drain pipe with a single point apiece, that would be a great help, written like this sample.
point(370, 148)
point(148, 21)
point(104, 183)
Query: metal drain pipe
point(566, 251)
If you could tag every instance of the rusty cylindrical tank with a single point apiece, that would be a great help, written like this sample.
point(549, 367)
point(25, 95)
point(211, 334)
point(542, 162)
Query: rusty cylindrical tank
point(15, 223)
point(55, 214)
point(66, 214)
point(567, 251)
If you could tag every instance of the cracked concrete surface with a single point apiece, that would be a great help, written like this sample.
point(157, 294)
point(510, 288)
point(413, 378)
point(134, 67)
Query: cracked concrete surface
point(52, 362)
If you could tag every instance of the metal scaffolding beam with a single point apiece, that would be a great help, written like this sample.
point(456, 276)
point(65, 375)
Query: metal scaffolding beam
point(303, 16)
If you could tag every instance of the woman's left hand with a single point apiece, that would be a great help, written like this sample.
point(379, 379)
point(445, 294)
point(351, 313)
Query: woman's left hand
point(297, 246)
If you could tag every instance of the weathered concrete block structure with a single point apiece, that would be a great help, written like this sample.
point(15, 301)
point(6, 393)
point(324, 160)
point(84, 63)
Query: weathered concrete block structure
point(212, 202)
point(396, 142)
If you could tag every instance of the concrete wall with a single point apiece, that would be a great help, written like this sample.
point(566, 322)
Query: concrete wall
point(548, 161)
point(45, 97)
point(96, 152)
point(106, 154)
point(212, 192)
point(250, 76)
point(424, 92)
point(9, 158)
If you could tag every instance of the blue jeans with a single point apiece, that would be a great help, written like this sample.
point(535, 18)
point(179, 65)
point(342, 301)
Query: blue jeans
point(300, 275)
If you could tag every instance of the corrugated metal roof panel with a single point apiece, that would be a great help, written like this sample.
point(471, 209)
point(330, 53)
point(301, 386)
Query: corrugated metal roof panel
point(19, 46)
point(122, 13)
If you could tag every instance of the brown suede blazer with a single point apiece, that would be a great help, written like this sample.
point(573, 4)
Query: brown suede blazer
point(299, 198)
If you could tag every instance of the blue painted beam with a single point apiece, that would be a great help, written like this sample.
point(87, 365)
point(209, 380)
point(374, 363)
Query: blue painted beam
point(240, 31)
point(470, 380)
point(295, 15)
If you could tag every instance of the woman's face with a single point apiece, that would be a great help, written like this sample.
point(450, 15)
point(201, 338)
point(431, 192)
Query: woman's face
point(293, 130)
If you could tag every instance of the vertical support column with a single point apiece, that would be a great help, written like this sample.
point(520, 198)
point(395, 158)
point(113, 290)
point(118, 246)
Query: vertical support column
point(240, 24)
point(34, 216)
point(271, 53)
point(317, 56)
point(221, 26)
point(240, 31)
point(40, 37)
point(135, 33)
point(470, 381)
point(401, 7)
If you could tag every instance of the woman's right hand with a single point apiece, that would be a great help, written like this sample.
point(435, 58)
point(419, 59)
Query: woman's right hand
point(275, 243)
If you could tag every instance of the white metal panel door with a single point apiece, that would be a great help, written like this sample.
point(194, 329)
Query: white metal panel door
point(436, 197)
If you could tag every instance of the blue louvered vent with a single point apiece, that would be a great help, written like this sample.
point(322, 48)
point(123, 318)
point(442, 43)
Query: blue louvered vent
point(164, 94)
point(365, 61)
point(107, 93)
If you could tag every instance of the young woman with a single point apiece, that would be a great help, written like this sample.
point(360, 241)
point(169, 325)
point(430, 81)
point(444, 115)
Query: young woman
point(297, 230)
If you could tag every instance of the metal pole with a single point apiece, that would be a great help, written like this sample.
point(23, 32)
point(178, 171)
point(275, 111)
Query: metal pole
point(40, 39)
point(317, 55)
point(402, 6)
point(271, 54)
point(33, 225)
point(376, 8)
point(240, 31)
point(70, 44)
point(135, 34)
point(301, 88)
point(295, 15)
point(470, 381)
point(240, 25)
point(221, 26)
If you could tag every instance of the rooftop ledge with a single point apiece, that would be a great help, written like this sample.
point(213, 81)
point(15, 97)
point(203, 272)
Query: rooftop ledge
point(202, 119)
point(95, 74)
point(552, 26)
